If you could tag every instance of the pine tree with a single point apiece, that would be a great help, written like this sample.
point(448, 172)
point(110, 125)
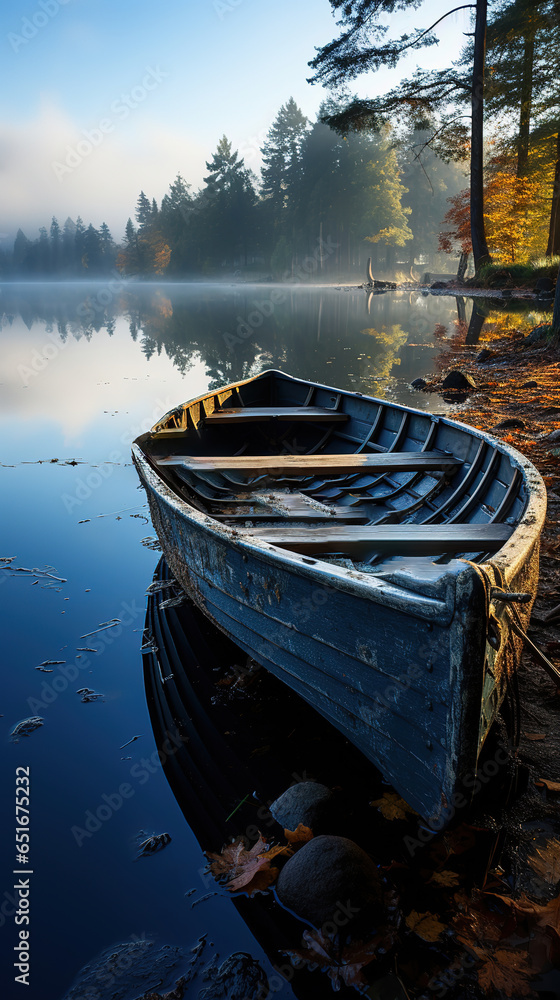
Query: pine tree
point(69, 245)
point(282, 157)
point(79, 238)
point(44, 255)
point(21, 253)
point(107, 245)
point(363, 46)
point(226, 220)
point(128, 259)
point(143, 210)
point(92, 254)
point(519, 42)
point(56, 246)
point(174, 217)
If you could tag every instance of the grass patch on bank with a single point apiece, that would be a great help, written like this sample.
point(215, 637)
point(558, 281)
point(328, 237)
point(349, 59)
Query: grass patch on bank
point(516, 275)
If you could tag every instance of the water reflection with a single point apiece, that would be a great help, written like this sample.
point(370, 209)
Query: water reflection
point(239, 738)
point(235, 330)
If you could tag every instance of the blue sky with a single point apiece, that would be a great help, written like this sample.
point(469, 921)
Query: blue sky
point(102, 99)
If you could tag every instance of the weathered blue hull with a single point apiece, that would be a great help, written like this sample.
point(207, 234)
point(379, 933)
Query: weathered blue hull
point(399, 661)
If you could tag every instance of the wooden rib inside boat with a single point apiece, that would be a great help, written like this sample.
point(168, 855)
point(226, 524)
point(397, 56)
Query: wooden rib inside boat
point(357, 549)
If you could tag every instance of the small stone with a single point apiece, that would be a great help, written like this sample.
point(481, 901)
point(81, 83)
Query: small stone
point(419, 383)
point(530, 385)
point(512, 423)
point(484, 356)
point(306, 802)
point(457, 380)
point(553, 436)
point(439, 285)
point(329, 877)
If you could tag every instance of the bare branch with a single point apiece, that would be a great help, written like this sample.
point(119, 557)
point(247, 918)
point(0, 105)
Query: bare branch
point(465, 6)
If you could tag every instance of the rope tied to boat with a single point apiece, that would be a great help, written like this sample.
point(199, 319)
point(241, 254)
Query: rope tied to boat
point(510, 599)
point(552, 671)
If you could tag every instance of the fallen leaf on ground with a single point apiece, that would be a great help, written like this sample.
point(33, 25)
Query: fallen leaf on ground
point(546, 861)
point(551, 786)
point(541, 917)
point(445, 879)
point(301, 835)
point(425, 925)
point(391, 806)
point(505, 970)
point(343, 965)
point(247, 870)
point(461, 839)
point(475, 924)
point(535, 736)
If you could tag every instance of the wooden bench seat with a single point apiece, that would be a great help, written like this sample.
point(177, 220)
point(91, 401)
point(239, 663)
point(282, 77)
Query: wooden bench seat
point(316, 465)
point(248, 414)
point(391, 539)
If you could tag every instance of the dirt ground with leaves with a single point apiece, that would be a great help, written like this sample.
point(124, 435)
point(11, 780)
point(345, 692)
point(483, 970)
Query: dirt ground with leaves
point(511, 921)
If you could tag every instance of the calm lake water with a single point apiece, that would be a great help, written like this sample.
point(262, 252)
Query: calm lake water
point(85, 369)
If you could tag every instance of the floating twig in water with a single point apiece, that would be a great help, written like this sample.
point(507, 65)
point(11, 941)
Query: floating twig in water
point(172, 602)
point(88, 694)
point(114, 622)
point(154, 843)
point(123, 511)
point(131, 741)
point(158, 585)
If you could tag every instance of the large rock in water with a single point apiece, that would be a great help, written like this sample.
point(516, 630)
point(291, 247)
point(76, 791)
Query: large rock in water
point(330, 881)
point(458, 380)
point(306, 802)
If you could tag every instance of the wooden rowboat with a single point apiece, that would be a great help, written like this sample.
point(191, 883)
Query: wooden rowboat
point(380, 560)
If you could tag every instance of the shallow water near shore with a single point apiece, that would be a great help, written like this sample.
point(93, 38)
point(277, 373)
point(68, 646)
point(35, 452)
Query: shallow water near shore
point(86, 368)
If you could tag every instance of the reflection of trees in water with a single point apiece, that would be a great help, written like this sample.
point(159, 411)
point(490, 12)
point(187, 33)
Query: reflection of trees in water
point(67, 309)
point(388, 342)
point(238, 330)
point(494, 318)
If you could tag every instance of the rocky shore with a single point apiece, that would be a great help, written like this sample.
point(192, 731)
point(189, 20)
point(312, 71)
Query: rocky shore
point(511, 388)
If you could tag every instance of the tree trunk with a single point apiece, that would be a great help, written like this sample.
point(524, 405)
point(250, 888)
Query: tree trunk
point(556, 310)
point(463, 263)
point(478, 236)
point(526, 105)
point(478, 316)
point(553, 247)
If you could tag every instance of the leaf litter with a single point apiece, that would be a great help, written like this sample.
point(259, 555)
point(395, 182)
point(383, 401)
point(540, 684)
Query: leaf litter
point(239, 869)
